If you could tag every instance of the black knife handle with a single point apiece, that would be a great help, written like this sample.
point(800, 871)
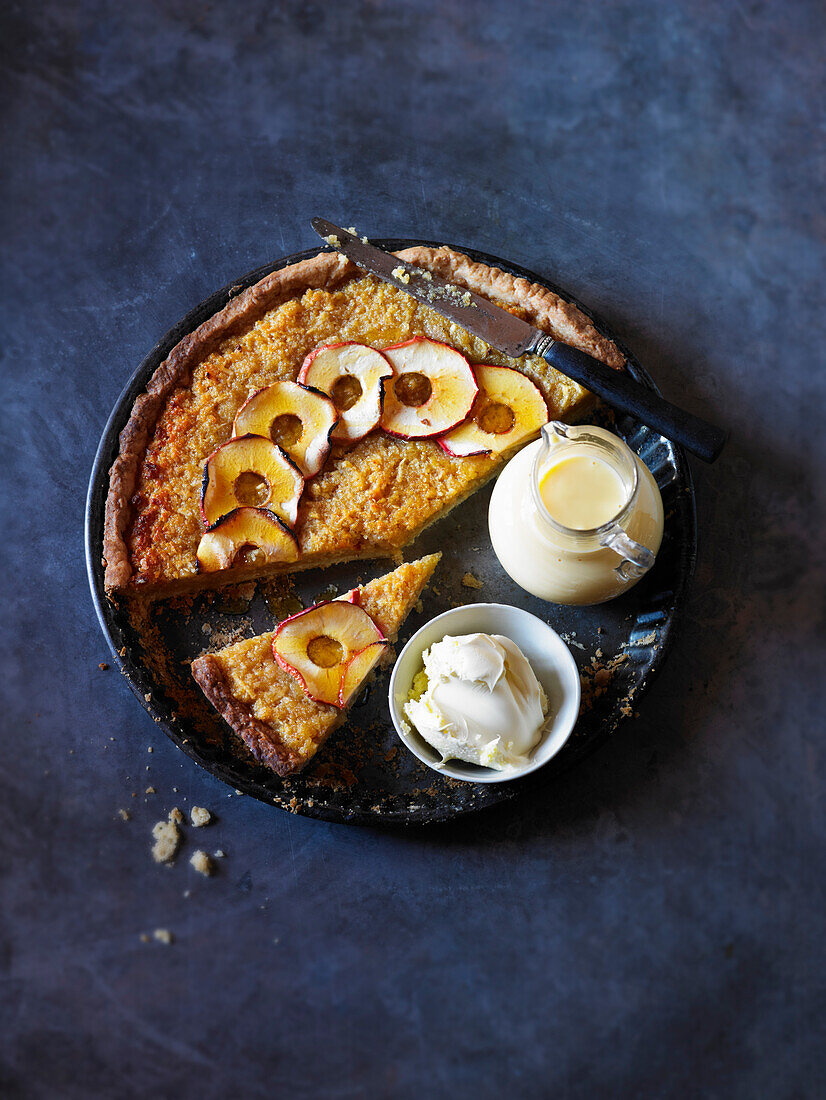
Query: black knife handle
point(620, 390)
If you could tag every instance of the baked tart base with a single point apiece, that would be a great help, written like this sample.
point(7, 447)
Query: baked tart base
point(372, 498)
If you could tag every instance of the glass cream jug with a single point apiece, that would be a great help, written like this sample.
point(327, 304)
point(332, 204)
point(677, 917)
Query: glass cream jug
point(576, 517)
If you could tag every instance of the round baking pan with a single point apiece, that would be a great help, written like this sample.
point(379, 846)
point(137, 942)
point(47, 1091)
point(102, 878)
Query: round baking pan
point(363, 775)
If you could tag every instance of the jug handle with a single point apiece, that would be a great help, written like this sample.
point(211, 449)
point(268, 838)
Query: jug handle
point(636, 558)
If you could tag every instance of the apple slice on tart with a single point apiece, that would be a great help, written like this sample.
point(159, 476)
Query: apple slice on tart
point(298, 419)
point(316, 646)
point(358, 668)
point(250, 471)
point(509, 408)
point(246, 536)
point(432, 389)
point(352, 375)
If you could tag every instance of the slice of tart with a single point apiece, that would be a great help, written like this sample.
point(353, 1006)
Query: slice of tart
point(208, 432)
point(256, 687)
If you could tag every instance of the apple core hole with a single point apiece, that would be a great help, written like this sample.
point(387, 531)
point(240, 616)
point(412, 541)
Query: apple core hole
point(251, 489)
point(345, 392)
point(496, 419)
point(249, 554)
point(325, 651)
point(413, 389)
point(286, 430)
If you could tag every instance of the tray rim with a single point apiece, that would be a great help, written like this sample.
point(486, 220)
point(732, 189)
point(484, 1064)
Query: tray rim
point(98, 481)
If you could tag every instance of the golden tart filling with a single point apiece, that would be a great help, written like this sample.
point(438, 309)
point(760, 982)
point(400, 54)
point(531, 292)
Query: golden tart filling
point(373, 495)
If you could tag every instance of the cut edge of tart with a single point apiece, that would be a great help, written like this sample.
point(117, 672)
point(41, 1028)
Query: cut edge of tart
point(149, 545)
point(265, 704)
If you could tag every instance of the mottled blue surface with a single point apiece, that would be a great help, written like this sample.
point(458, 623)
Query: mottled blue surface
point(654, 925)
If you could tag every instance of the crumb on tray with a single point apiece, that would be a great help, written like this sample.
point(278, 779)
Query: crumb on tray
point(202, 863)
point(167, 841)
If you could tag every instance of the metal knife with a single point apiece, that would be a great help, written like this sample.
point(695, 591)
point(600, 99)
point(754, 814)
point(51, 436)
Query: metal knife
point(515, 337)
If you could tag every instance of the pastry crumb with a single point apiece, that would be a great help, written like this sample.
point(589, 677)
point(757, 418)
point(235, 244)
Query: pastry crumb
point(125, 815)
point(202, 863)
point(469, 581)
point(199, 816)
point(167, 841)
point(103, 666)
point(400, 274)
point(163, 935)
point(150, 790)
point(176, 816)
point(219, 853)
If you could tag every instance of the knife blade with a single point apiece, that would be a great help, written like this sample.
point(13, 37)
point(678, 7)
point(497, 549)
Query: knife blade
point(498, 328)
point(515, 337)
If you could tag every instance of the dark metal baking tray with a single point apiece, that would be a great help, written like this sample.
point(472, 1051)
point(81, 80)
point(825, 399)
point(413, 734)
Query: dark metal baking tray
point(364, 775)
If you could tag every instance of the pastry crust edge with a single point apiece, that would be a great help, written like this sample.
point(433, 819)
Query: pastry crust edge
point(326, 270)
point(260, 739)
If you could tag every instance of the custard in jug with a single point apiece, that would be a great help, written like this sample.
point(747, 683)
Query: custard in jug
point(576, 517)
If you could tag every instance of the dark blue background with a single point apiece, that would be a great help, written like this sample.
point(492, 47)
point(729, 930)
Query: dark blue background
point(653, 925)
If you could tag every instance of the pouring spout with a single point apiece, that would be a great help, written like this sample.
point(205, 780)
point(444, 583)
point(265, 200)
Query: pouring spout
point(555, 431)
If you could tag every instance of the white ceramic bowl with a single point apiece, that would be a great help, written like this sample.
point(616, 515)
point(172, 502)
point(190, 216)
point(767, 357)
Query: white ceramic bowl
point(547, 655)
